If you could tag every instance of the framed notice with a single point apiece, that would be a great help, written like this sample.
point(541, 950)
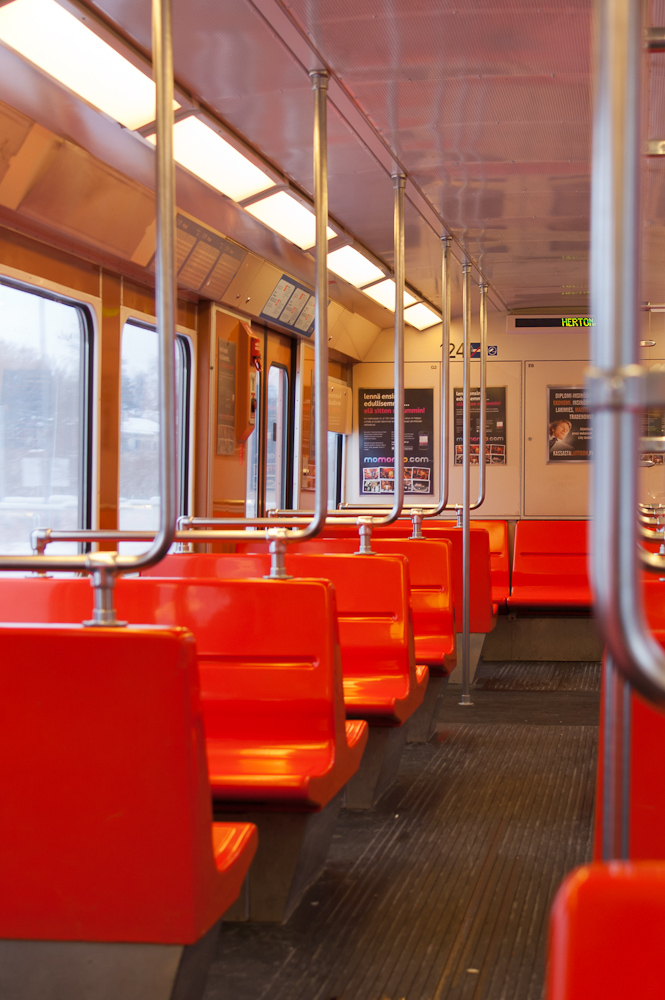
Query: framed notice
point(376, 424)
point(568, 424)
point(495, 426)
point(226, 396)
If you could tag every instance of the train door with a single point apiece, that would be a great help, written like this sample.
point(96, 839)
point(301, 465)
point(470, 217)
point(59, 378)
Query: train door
point(269, 448)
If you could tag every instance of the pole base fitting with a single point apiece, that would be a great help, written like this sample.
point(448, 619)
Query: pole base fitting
point(466, 700)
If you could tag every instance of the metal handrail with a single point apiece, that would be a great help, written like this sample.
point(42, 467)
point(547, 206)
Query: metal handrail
point(482, 435)
point(616, 418)
point(105, 566)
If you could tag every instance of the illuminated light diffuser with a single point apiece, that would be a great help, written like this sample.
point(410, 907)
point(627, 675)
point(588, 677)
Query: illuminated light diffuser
point(421, 316)
point(289, 218)
point(56, 41)
point(384, 294)
point(216, 161)
point(353, 267)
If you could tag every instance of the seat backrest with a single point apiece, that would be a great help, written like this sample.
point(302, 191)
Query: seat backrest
point(268, 651)
point(106, 819)
point(551, 553)
point(606, 931)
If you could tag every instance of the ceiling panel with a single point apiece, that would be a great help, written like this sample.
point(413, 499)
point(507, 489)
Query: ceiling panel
point(485, 103)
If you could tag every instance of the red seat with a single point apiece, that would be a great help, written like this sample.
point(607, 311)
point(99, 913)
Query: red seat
point(606, 933)
point(550, 565)
point(382, 682)
point(106, 830)
point(271, 694)
point(646, 830)
point(431, 597)
point(482, 606)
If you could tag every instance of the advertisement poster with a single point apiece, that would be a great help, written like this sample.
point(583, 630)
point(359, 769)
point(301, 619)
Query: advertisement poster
point(653, 425)
point(568, 424)
point(377, 462)
point(495, 441)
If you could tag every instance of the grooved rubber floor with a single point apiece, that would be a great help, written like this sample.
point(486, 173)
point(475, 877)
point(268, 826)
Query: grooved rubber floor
point(443, 891)
point(533, 675)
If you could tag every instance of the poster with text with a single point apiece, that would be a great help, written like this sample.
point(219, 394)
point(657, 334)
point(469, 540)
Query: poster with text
point(568, 424)
point(495, 439)
point(377, 462)
point(226, 397)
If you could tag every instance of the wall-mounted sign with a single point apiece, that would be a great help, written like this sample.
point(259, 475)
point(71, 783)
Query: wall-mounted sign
point(495, 441)
point(291, 306)
point(375, 425)
point(568, 424)
point(226, 396)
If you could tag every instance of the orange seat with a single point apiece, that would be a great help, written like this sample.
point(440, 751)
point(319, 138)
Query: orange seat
point(483, 606)
point(606, 932)
point(431, 598)
point(550, 565)
point(106, 830)
point(382, 682)
point(272, 696)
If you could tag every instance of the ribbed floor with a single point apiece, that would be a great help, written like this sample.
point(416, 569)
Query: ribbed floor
point(444, 890)
point(533, 675)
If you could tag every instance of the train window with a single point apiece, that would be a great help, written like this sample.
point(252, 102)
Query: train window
point(45, 416)
point(139, 429)
point(277, 436)
point(252, 485)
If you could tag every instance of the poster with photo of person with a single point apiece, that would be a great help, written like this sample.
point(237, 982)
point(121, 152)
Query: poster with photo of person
point(568, 424)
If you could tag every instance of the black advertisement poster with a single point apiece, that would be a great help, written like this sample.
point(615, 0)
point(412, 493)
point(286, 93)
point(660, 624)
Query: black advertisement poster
point(377, 462)
point(568, 424)
point(495, 442)
point(226, 397)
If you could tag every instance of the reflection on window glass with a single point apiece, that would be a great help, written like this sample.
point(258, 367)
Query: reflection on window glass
point(252, 485)
point(276, 429)
point(139, 431)
point(43, 433)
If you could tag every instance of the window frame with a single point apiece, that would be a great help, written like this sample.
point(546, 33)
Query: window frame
point(89, 311)
point(187, 338)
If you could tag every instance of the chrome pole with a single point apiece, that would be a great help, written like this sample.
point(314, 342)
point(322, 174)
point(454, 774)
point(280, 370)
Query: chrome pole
point(617, 383)
point(103, 567)
point(482, 434)
point(466, 485)
point(399, 182)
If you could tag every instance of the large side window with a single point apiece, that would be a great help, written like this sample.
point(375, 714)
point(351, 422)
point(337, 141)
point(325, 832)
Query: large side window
point(45, 416)
point(139, 429)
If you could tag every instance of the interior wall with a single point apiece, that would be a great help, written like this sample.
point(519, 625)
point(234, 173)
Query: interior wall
point(526, 364)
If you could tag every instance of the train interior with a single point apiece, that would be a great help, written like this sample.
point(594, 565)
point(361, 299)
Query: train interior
point(383, 697)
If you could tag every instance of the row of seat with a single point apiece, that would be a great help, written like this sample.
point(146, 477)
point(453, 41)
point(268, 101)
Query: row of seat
point(549, 563)
point(284, 679)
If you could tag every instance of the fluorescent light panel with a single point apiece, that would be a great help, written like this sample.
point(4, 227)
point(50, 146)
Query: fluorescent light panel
point(56, 41)
point(421, 316)
point(289, 218)
point(353, 266)
point(213, 159)
point(384, 294)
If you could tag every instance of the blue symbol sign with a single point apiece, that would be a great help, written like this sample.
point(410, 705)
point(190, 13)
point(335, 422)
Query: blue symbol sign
point(475, 350)
point(492, 351)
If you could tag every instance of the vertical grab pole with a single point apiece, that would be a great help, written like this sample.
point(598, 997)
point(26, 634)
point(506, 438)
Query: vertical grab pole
point(482, 436)
point(466, 484)
point(165, 292)
point(319, 80)
point(399, 182)
point(445, 372)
